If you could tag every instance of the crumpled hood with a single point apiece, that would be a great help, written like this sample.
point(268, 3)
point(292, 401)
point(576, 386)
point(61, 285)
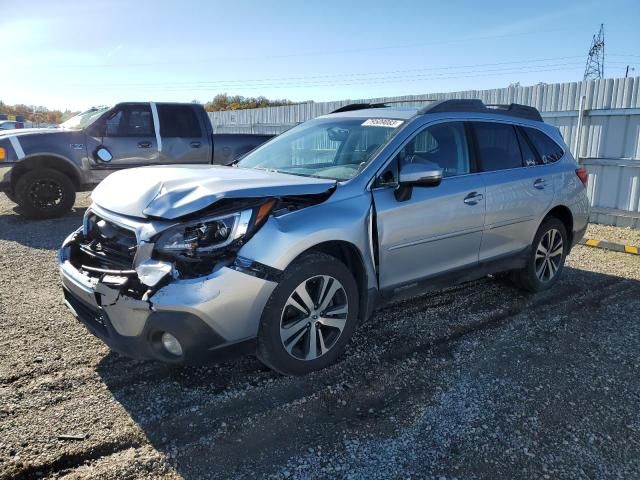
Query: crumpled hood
point(174, 191)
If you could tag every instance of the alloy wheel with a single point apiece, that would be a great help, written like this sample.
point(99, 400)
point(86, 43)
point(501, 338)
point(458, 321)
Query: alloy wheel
point(46, 194)
point(313, 318)
point(549, 255)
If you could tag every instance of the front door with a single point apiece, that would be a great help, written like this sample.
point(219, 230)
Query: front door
point(127, 132)
point(439, 229)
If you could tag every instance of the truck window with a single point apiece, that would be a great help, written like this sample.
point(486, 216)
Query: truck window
point(130, 121)
point(178, 121)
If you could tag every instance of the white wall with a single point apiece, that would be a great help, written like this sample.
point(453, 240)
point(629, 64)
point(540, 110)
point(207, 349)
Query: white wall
point(609, 143)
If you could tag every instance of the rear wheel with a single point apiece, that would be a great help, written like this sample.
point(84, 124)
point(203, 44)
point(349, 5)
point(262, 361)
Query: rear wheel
point(44, 193)
point(310, 316)
point(546, 259)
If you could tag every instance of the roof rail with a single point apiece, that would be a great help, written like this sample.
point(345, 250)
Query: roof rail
point(454, 106)
point(361, 106)
point(474, 105)
point(517, 110)
point(358, 106)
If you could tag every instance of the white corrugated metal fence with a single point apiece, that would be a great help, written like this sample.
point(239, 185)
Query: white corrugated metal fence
point(609, 138)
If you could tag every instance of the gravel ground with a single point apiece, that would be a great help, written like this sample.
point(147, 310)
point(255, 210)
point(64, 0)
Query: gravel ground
point(476, 381)
point(626, 236)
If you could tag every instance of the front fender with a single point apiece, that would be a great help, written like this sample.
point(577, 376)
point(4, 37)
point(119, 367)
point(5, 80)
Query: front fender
point(282, 239)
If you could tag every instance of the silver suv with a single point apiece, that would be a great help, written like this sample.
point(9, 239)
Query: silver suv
point(285, 253)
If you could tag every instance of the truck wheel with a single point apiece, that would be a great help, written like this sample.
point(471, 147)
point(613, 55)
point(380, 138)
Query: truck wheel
point(45, 193)
point(310, 316)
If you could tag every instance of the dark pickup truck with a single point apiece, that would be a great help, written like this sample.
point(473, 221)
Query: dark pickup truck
point(41, 169)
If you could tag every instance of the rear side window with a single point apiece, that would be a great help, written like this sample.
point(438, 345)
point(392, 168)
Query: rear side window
point(548, 150)
point(497, 146)
point(178, 121)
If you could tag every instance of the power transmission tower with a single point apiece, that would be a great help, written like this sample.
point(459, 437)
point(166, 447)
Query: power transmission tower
point(595, 61)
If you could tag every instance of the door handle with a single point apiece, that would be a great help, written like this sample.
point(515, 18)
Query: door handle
point(540, 184)
point(473, 198)
point(144, 144)
point(195, 144)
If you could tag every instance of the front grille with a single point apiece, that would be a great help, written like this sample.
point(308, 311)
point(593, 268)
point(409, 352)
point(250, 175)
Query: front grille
point(106, 246)
point(91, 316)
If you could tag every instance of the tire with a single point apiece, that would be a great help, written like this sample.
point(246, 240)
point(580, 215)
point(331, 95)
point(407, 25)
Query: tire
point(288, 323)
point(543, 270)
point(44, 193)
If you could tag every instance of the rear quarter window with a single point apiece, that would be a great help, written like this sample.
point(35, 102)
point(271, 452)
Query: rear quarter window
point(548, 150)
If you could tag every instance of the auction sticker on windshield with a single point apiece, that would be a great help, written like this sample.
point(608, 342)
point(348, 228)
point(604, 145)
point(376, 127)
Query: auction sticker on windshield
point(382, 122)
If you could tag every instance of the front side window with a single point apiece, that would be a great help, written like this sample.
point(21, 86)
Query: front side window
point(178, 121)
point(548, 150)
point(336, 148)
point(444, 144)
point(497, 146)
point(129, 121)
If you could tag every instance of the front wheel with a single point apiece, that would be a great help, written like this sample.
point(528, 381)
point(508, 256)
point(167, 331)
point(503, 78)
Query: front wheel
point(310, 316)
point(546, 259)
point(44, 193)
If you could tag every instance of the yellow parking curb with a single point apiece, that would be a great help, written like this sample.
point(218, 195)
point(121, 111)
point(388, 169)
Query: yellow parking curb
point(616, 247)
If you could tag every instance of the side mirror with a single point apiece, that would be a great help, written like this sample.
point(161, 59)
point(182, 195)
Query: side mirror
point(423, 174)
point(104, 155)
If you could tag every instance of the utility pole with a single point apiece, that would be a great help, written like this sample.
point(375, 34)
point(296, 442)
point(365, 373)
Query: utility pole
point(595, 60)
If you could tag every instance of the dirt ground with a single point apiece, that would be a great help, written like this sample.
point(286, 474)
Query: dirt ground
point(476, 381)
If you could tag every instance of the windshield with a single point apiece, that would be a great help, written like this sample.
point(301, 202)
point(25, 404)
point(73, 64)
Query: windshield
point(335, 148)
point(84, 119)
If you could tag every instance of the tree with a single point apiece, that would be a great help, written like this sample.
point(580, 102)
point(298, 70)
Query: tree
point(34, 113)
point(222, 101)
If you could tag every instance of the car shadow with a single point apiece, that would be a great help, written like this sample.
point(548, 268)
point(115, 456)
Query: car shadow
point(184, 412)
point(42, 234)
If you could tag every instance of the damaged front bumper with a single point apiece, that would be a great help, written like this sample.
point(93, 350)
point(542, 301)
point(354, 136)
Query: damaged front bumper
point(211, 316)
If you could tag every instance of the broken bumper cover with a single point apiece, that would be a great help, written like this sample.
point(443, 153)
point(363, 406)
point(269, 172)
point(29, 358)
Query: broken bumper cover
point(212, 317)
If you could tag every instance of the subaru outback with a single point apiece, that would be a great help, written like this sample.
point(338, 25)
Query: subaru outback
point(285, 253)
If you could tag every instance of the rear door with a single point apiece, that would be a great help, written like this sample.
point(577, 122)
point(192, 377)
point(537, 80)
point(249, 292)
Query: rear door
point(128, 134)
point(518, 192)
point(183, 135)
point(439, 228)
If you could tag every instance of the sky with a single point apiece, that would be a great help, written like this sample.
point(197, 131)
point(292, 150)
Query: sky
point(77, 54)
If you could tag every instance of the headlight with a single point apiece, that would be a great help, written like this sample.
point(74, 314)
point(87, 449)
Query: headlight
point(210, 234)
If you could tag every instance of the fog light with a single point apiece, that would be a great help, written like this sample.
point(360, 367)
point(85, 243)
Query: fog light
point(171, 344)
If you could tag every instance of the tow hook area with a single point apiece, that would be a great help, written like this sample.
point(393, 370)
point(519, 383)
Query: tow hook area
point(127, 314)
